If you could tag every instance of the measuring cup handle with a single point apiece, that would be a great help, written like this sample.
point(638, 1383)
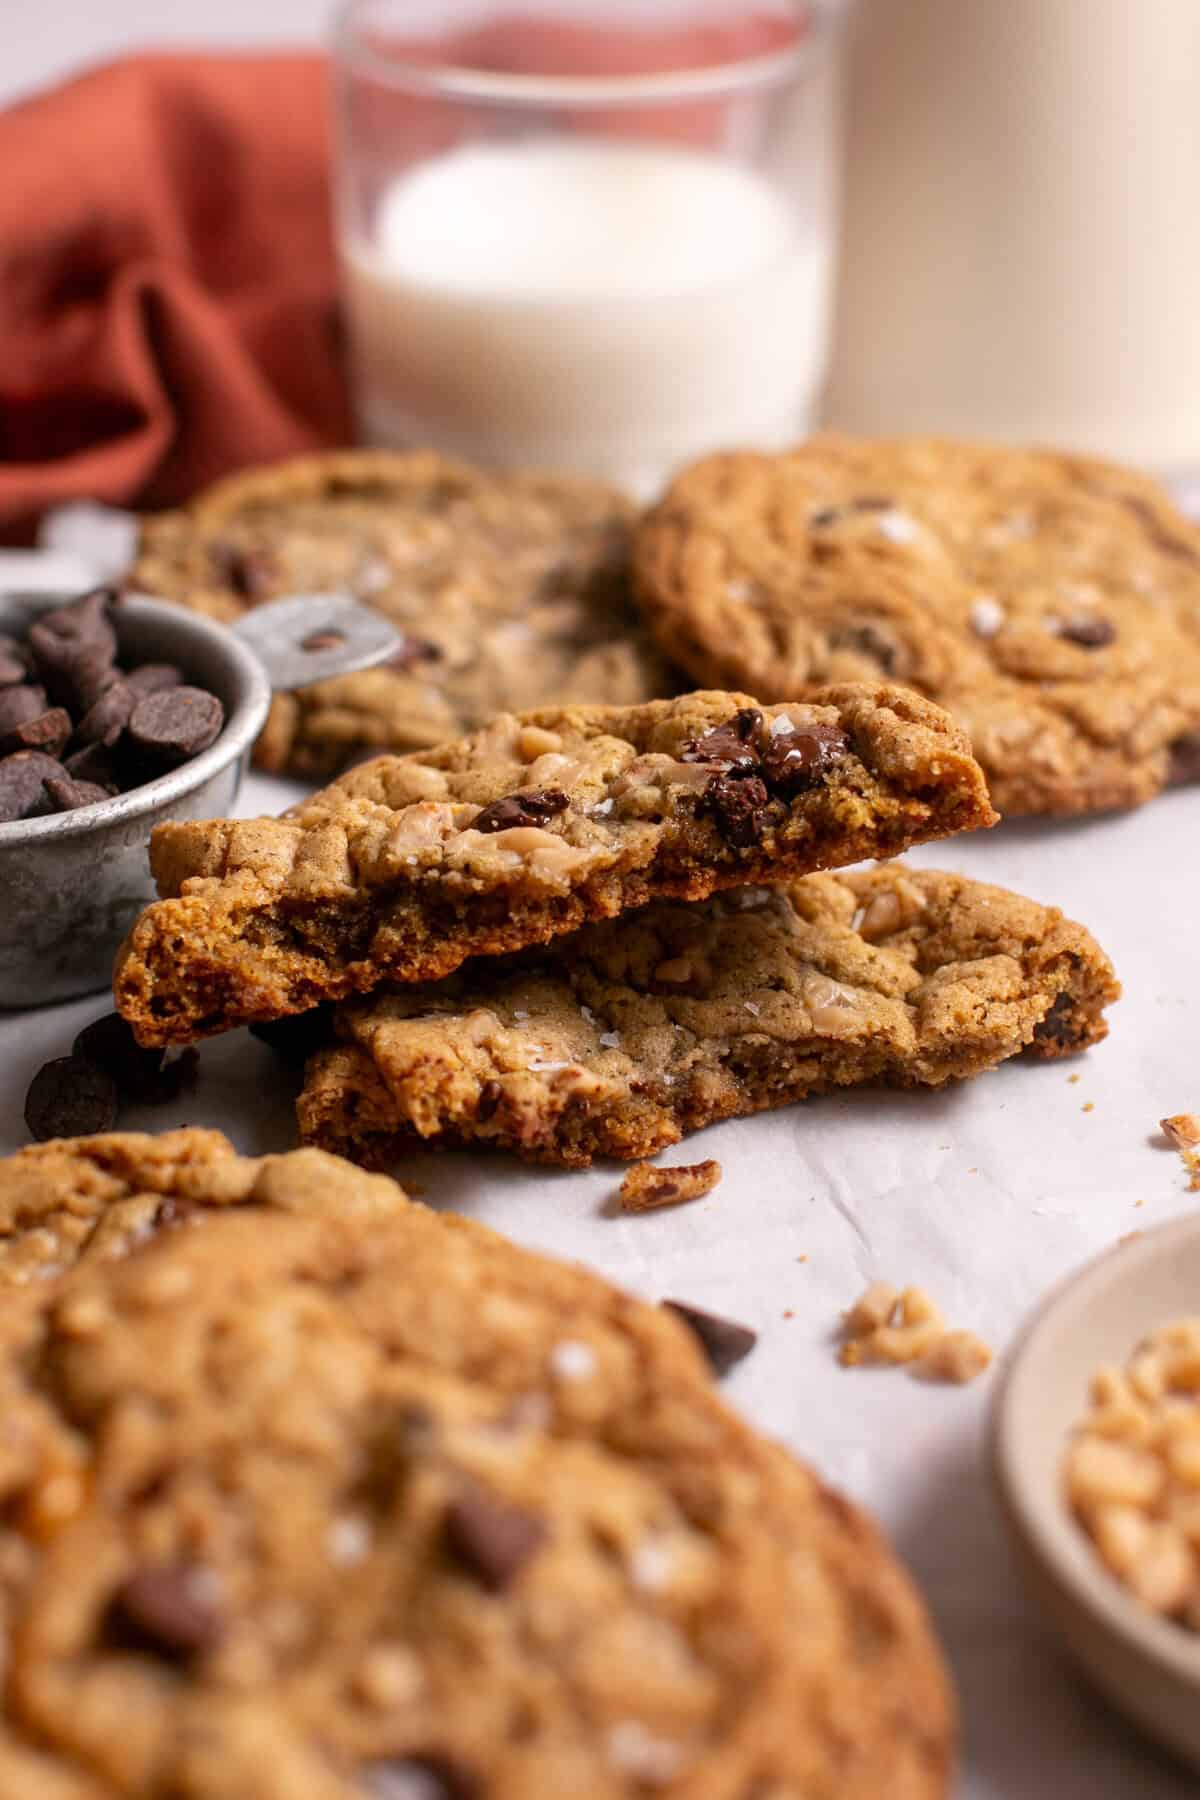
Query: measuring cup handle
point(311, 637)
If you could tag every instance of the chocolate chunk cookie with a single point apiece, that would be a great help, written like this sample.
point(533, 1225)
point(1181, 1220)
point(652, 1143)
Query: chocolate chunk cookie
point(310, 1509)
point(512, 592)
point(408, 865)
point(1051, 603)
point(642, 1029)
point(82, 1198)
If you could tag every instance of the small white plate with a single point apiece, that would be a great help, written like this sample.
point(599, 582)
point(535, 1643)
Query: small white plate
point(1148, 1666)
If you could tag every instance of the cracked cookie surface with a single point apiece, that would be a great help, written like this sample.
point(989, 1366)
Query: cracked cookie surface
point(311, 1509)
point(76, 1199)
point(408, 865)
point(512, 592)
point(635, 1032)
point(1050, 602)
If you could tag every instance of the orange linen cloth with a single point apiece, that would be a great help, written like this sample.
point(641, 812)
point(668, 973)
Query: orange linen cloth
point(167, 280)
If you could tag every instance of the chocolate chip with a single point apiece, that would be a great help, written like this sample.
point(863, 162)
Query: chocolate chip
point(829, 515)
point(148, 1076)
point(70, 1098)
point(22, 784)
point(521, 809)
point(738, 806)
point(492, 1538)
point(427, 1777)
point(413, 650)
point(869, 641)
point(322, 640)
point(296, 1038)
point(172, 726)
point(107, 717)
point(250, 573)
point(1088, 633)
point(734, 743)
point(170, 1609)
point(801, 759)
point(94, 764)
point(1183, 764)
point(175, 1210)
point(69, 795)
point(723, 1341)
point(490, 1095)
point(1060, 1027)
point(18, 705)
point(13, 668)
point(46, 731)
point(74, 670)
point(88, 618)
point(152, 678)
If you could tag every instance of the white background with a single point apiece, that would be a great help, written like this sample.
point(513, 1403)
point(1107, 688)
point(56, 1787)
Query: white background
point(984, 1194)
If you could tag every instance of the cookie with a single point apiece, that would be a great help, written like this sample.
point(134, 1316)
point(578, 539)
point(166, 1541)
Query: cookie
point(1051, 603)
point(407, 866)
point(96, 1198)
point(512, 592)
point(311, 1509)
point(642, 1029)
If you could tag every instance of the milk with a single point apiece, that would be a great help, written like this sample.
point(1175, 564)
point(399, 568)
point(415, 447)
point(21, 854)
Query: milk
point(589, 305)
point(1021, 259)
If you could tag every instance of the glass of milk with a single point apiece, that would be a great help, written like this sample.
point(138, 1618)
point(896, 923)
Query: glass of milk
point(594, 238)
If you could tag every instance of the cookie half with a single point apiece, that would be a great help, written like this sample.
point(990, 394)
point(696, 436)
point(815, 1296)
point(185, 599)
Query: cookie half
point(511, 591)
point(536, 824)
point(1050, 602)
point(309, 1509)
point(640, 1030)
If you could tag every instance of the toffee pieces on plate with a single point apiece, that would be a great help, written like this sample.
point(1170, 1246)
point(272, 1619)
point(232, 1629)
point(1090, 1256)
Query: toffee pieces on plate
point(76, 727)
point(81, 1094)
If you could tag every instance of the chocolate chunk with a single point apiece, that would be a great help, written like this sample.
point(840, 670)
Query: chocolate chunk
point(521, 809)
point(801, 759)
point(22, 784)
point(176, 1209)
point(829, 515)
point(1060, 1028)
point(490, 1537)
point(46, 731)
point(70, 1098)
point(152, 678)
point(107, 717)
point(867, 640)
point(734, 744)
point(89, 617)
point(1088, 632)
point(18, 705)
point(148, 1076)
point(723, 1341)
point(295, 1039)
point(94, 764)
point(69, 795)
point(738, 806)
point(490, 1095)
point(1183, 764)
point(252, 574)
point(172, 726)
point(170, 1609)
point(413, 650)
point(322, 640)
point(427, 1777)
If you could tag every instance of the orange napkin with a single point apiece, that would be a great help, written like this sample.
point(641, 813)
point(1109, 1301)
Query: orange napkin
point(167, 280)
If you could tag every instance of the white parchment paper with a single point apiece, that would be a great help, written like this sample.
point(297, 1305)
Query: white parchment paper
point(985, 1194)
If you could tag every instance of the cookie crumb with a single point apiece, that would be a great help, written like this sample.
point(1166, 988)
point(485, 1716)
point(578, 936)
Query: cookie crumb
point(1089, 1107)
point(646, 1188)
point(887, 1326)
point(1182, 1131)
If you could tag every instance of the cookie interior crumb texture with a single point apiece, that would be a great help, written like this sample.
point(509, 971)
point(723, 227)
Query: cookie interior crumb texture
point(1050, 602)
point(643, 1029)
point(306, 1505)
point(1132, 1473)
point(516, 835)
point(646, 1187)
